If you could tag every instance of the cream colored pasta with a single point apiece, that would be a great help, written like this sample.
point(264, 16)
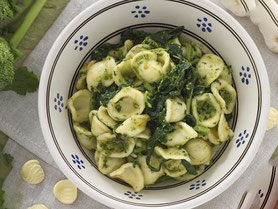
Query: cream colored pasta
point(172, 153)
point(105, 118)
point(174, 168)
point(175, 110)
point(106, 143)
point(125, 103)
point(98, 128)
point(181, 134)
point(80, 105)
point(81, 81)
point(122, 51)
point(84, 136)
point(101, 72)
point(32, 172)
point(272, 118)
point(122, 72)
point(130, 174)
point(226, 75)
point(206, 110)
point(209, 68)
point(106, 164)
point(38, 206)
point(225, 95)
point(149, 115)
point(146, 134)
point(150, 177)
point(65, 192)
point(199, 151)
point(150, 66)
point(133, 126)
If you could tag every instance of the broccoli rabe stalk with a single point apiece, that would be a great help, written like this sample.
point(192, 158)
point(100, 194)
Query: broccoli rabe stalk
point(28, 20)
point(8, 52)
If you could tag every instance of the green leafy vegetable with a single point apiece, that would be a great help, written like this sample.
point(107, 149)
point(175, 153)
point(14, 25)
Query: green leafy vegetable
point(190, 168)
point(137, 36)
point(205, 110)
point(103, 94)
point(190, 120)
point(24, 81)
point(101, 52)
point(201, 130)
point(8, 51)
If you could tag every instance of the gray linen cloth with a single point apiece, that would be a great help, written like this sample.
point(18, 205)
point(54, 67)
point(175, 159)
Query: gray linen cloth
point(19, 119)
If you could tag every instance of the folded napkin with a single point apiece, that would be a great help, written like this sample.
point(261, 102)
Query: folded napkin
point(19, 115)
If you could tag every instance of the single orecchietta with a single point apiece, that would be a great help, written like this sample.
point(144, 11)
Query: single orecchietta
point(65, 191)
point(263, 13)
point(272, 118)
point(32, 172)
point(38, 206)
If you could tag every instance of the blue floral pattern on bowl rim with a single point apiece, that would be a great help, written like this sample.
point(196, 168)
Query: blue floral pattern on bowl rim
point(140, 11)
point(204, 24)
point(81, 42)
point(245, 75)
point(58, 102)
point(197, 185)
point(133, 195)
point(242, 137)
point(77, 161)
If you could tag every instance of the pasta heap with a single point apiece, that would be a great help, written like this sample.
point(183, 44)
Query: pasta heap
point(154, 108)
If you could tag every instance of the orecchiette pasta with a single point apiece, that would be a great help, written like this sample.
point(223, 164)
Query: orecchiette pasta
point(81, 81)
point(150, 177)
point(175, 110)
point(209, 68)
point(181, 134)
point(122, 51)
point(130, 174)
point(174, 168)
point(206, 110)
point(122, 72)
point(80, 105)
point(146, 134)
point(125, 103)
point(154, 108)
point(225, 95)
point(84, 136)
point(150, 66)
point(101, 72)
point(110, 146)
point(172, 153)
point(199, 151)
point(65, 192)
point(133, 126)
point(98, 128)
point(32, 172)
point(105, 118)
point(106, 164)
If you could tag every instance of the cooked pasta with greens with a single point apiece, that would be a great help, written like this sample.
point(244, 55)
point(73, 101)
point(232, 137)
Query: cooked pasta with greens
point(153, 107)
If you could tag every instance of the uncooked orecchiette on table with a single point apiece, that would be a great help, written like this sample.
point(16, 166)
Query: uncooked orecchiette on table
point(153, 107)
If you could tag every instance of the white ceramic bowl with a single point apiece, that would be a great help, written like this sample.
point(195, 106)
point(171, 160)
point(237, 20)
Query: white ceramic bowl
point(204, 22)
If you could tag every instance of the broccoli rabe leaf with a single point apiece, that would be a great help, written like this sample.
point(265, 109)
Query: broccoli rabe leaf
point(137, 36)
point(190, 168)
point(1, 198)
point(24, 82)
point(5, 166)
point(101, 52)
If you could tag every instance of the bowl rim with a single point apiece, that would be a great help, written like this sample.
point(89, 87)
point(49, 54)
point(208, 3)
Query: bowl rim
point(226, 183)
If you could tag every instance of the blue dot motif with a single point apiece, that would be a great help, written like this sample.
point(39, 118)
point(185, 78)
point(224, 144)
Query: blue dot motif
point(204, 25)
point(81, 42)
point(260, 193)
point(78, 162)
point(133, 195)
point(140, 12)
point(197, 185)
point(245, 75)
point(242, 137)
point(58, 103)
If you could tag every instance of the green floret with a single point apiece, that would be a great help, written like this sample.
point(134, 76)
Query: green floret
point(6, 10)
point(6, 64)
